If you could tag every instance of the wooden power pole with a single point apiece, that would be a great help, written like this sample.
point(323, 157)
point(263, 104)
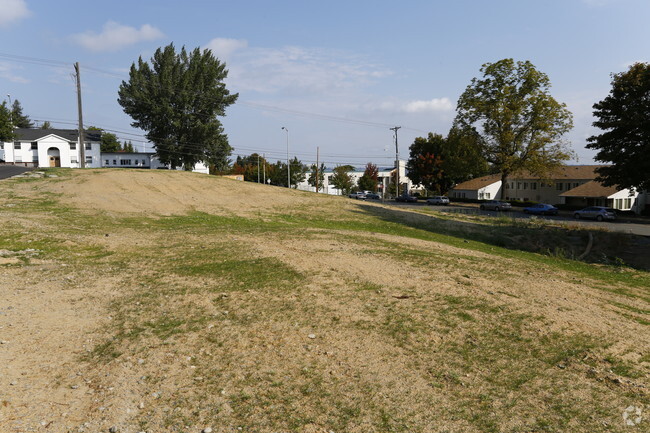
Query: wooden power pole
point(82, 139)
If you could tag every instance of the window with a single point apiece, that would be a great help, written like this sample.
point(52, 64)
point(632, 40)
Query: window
point(73, 145)
point(628, 203)
point(144, 162)
point(558, 186)
point(34, 145)
point(125, 162)
point(512, 185)
point(533, 185)
point(525, 185)
point(487, 195)
point(115, 162)
point(518, 185)
point(16, 145)
point(88, 146)
point(107, 162)
point(2, 146)
point(89, 160)
point(74, 160)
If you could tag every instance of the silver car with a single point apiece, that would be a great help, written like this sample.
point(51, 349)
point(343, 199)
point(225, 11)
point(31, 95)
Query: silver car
point(598, 213)
point(496, 205)
point(438, 200)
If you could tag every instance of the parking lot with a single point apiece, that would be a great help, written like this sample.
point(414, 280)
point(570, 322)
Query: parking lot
point(638, 226)
point(7, 171)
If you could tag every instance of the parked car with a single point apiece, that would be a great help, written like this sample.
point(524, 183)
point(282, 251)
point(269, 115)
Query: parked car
point(357, 195)
point(496, 205)
point(373, 196)
point(541, 209)
point(599, 213)
point(438, 200)
point(407, 198)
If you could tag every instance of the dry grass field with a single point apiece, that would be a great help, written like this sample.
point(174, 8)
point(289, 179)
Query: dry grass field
point(158, 301)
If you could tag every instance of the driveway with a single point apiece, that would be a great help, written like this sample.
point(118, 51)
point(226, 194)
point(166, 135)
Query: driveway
point(12, 170)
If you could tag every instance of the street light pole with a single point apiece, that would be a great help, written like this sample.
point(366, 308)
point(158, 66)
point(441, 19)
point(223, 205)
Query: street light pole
point(288, 165)
point(11, 113)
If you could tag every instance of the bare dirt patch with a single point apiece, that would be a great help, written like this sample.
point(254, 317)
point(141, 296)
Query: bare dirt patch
point(163, 301)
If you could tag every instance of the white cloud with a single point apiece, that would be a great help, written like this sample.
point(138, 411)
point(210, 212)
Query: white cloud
point(12, 11)
point(432, 105)
point(304, 71)
point(115, 36)
point(435, 105)
point(222, 48)
point(6, 72)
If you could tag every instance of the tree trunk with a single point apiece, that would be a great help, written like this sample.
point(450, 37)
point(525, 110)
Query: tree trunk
point(504, 179)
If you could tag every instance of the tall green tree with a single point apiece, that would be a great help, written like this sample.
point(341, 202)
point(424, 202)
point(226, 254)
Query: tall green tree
point(341, 178)
point(624, 117)
point(298, 172)
point(46, 125)
point(317, 173)
point(514, 120)
point(19, 119)
point(369, 180)
point(176, 99)
point(425, 163)
point(251, 166)
point(109, 141)
point(128, 147)
point(6, 127)
point(278, 174)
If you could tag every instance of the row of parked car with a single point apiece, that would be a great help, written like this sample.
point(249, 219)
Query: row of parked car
point(599, 213)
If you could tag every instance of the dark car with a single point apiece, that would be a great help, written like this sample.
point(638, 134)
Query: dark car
point(373, 196)
point(541, 209)
point(598, 213)
point(496, 205)
point(407, 198)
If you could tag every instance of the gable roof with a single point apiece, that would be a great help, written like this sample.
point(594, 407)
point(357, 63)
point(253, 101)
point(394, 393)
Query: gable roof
point(581, 172)
point(590, 189)
point(30, 134)
point(478, 183)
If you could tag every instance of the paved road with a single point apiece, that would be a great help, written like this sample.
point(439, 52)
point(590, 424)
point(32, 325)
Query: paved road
point(12, 170)
point(621, 225)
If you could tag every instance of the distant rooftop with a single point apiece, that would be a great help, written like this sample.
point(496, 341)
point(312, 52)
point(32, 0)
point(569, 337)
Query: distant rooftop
point(30, 134)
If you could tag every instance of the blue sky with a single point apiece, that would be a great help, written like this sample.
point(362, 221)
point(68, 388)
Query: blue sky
point(337, 74)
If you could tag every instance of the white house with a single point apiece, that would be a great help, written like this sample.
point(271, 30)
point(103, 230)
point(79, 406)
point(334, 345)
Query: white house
point(60, 148)
point(594, 193)
point(383, 178)
point(481, 188)
point(52, 148)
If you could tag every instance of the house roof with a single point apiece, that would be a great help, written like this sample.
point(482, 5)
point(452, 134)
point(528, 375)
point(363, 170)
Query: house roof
point(582, 172)
point(29, 134)
point(478, 183)
point(590, 189)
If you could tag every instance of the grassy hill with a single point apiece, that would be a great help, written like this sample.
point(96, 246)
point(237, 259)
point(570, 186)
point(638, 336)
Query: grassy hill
point(169, 301)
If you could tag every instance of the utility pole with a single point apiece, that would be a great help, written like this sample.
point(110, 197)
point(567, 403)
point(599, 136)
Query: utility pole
point(396, 160)
point(264, 167)
point(317, 151)
point(258, 168)
point(82, 139)
point(288, 164)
